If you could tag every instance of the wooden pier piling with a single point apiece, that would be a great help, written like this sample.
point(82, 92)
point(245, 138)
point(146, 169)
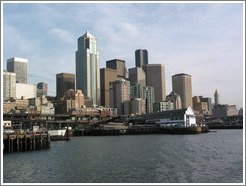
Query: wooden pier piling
point(25, 142)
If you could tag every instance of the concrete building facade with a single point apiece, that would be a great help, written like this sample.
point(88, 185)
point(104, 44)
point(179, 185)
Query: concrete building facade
point(26, 90)
point(137, 75)
point(71, 100)
point(119, 92)
point(155, 77)
point(175, 99)
point(15, 105)
point(9, 85)
point(106, 76)
point(181, 84)
point(75, 95)
point(224, 111)
point(119, 65)
point(88, 68)
point(146, 93)
point(163, 106)
point(208, 101)
point(137, 106)
point(199, 105)
point(41, 104)
point(141, 57)
point(64, 82)
point(19, 66)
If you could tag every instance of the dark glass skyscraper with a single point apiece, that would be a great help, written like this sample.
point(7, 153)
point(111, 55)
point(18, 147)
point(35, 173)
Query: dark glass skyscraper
point(64, 82)
point(141, 57)
point(43, 87)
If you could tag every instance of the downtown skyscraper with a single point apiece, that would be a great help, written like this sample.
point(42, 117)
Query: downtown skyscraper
point(182, 85)
point(19, 67)
point(88, 68)
point(141, 57)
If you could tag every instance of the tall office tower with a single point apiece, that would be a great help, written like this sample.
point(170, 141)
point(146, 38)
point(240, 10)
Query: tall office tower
point(155, 77)
point(118, 65)
point(143, 92)
point(64, 82)
point(137, 75)
point(216, 98)
point(106, 76)
point(181, 84)
point(9, 85)
point(88, 68)
point(119, 92)
point(175, 99)
point(19, 67)
point(42, 88)
point(141, 57)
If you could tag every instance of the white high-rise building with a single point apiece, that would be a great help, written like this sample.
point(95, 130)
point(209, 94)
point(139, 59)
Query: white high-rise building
point(19, 67)
point(88, 68)
point(9, 85)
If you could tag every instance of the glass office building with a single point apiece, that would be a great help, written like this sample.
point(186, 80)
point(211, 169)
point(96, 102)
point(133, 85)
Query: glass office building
point(88, 68)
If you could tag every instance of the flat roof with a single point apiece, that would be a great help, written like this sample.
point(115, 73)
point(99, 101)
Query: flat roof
point(153, 65)
point(181, 74)
point(17, 59)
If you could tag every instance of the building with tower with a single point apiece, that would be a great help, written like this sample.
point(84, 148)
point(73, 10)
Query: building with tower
point(181, 84)
point(64, 82)
point(88, 68)
point(141, 57)
point(19, 67)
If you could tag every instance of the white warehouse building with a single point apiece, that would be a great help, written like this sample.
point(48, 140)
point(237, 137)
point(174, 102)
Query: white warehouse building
point(180, 118)
point(26, 90)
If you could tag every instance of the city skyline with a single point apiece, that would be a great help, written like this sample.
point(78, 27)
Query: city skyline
point(202, 40)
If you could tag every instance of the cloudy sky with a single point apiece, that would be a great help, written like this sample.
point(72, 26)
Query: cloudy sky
point(204, 40)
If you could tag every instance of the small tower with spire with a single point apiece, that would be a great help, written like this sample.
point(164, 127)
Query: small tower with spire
point(216, 98)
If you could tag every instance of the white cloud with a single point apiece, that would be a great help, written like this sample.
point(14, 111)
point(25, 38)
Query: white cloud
point(62, 35)
point(203, 40)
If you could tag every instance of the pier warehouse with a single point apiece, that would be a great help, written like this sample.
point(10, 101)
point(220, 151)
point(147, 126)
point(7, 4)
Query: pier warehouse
point(178, 118)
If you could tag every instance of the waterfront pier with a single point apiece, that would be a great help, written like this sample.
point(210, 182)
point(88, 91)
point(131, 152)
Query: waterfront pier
point(25, 142)
point(138, 130)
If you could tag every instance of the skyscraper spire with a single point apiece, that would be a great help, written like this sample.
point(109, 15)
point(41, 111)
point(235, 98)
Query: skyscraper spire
point(216, 98)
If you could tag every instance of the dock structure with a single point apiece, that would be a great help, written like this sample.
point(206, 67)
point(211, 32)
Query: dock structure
point(138, 130)
point(25, 142)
